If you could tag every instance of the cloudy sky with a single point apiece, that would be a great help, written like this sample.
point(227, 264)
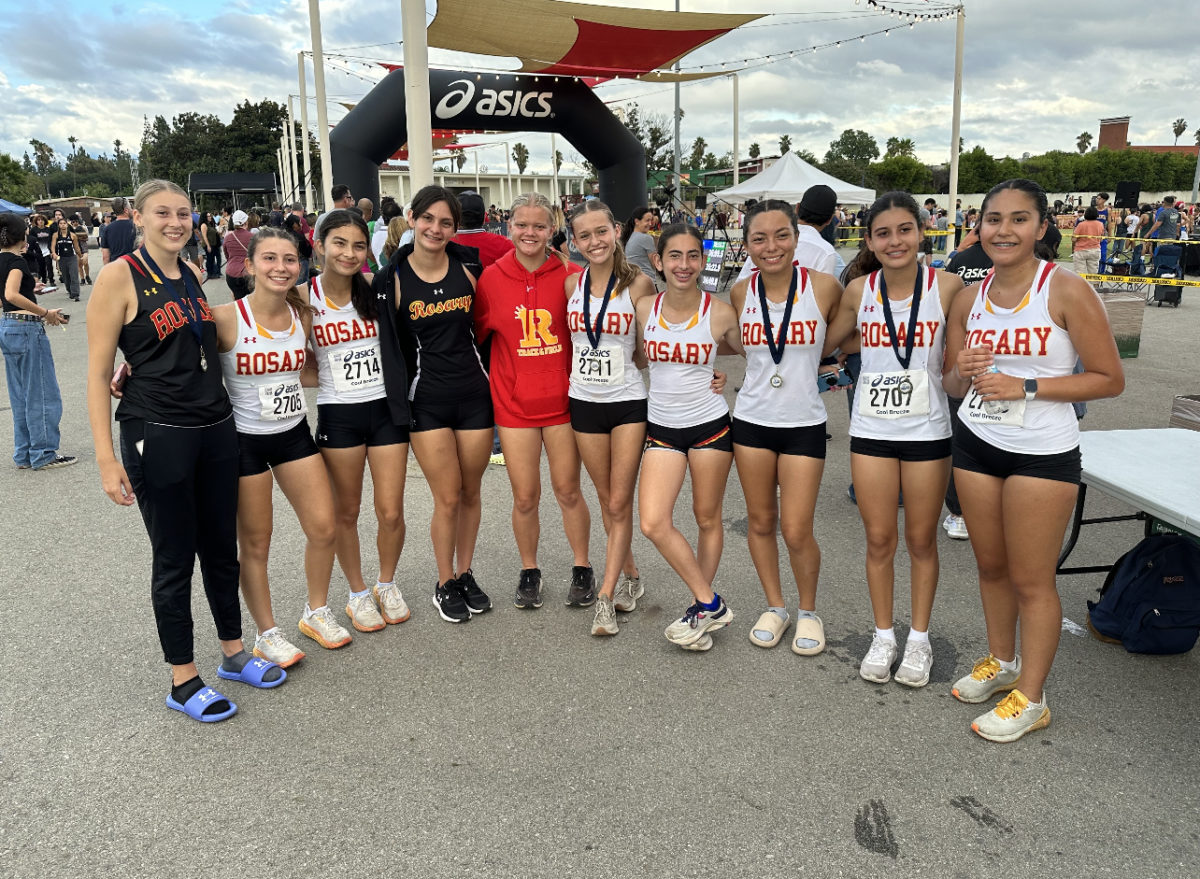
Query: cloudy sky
point(1037, 73)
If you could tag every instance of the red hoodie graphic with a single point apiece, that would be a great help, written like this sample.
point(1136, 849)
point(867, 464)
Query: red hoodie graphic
point(531, 354)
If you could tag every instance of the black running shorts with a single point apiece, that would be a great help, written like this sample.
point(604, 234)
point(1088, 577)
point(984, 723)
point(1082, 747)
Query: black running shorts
point(259, 452)
point(904, 450)
point(710, 435)
point(973, 454)
point(472, 413)
point(808, 442)
point(589, 417)
point(349, 425)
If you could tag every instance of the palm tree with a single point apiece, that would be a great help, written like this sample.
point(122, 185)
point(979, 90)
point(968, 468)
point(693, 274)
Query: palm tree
point(1179, 126)
point(902, 146)
point(756, 150)
point(1083, 142)
point(785, 144)
point(520, 155)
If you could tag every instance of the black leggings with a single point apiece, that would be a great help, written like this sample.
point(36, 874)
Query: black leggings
point(239, 287)
point(186, 482)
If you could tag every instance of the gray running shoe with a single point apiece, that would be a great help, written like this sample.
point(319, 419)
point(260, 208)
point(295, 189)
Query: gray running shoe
point(605, 620)
point(628, 591)
point(917, 663)
point(583, 587)
point(877, 664)
point(985, 679)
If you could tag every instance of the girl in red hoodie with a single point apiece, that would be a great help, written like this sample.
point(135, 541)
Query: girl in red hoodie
point(520, 300)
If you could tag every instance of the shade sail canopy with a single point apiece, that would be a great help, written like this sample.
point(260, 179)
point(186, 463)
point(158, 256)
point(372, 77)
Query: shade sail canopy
point(788, 179)
point(7, 207)
point(575, 39)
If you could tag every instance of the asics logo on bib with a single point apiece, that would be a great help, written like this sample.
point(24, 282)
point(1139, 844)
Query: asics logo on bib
point(509, 102)
point(536, 338)
point(1019, 340)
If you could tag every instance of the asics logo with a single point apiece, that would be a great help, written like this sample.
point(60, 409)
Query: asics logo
point(508, 102)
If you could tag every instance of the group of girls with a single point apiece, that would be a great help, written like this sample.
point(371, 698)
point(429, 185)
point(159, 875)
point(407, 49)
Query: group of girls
point(397, 359)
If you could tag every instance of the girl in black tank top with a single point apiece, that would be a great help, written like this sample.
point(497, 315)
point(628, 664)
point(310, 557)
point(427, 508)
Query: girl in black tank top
point(439, 345)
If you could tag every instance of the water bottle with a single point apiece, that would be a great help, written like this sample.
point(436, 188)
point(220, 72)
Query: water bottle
point(995, 407)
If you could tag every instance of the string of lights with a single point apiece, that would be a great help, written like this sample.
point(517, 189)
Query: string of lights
point(931, 13)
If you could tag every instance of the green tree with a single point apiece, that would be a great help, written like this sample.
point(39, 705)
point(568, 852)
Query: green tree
point(756, 151)
point(654, 131)
point(1083, 142)
point(16, 184)
point(695, 158)
point(785, 144)
point(1179, 126)
point(806, 156)
point(460, 159)
point(976, 170)
point(901, 172)
point(855, 146)
point(520, 155)
point(900, 146)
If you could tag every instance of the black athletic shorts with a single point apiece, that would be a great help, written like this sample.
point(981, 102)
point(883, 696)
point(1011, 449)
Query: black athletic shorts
point(589, 417)
point(472, 413)
point(714, 434)
point(349, 425)
point(259, 452)
point(974, 454)
point(904, 450)
point(806, 441)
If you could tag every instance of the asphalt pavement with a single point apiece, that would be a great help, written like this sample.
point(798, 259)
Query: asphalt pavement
point(519, 746)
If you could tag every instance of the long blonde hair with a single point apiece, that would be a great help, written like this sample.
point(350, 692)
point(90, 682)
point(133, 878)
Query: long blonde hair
point(395, 231)
point(623, 270)
point(537, 200)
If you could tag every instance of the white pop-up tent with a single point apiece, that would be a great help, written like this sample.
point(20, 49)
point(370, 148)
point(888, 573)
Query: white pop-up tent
point(788, 179)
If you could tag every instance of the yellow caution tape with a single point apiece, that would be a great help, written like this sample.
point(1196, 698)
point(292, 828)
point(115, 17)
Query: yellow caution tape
point(1140, 279)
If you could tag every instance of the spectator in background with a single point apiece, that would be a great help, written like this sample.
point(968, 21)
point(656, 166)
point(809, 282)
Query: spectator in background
point(38, 254)
point(237, 247)
point(120, 236)
point(292, 224)
point(275, 218)
point(1085, 245)
point(340, 197)
point(472, 234)
point(635, 237)
point(80, 231)
point(388, 211)
point(64, 250)
point(958, 222)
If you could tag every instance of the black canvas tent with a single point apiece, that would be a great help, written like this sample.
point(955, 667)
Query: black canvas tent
point(259, 185)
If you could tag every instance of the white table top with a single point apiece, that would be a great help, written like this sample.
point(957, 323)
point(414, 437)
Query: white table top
point(1156, 470)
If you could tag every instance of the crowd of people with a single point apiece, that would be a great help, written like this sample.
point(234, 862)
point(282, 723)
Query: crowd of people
point(423, 328)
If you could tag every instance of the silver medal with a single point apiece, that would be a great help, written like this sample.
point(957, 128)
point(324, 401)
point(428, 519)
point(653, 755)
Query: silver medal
point(776, 381)
point(203, 361)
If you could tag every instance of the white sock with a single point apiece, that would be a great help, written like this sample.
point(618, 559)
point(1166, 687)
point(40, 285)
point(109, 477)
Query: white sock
point(888, 634)
point(1010, 666)
point(915, 637)
point(354, 595)
point(309, 611)
point(388, 583)
point(268, 631)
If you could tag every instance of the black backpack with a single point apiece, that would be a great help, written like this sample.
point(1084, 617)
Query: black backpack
point(1150, 601)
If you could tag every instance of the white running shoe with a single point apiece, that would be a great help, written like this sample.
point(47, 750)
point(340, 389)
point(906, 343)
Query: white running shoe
point(364, 615)
point(392, 606)
point(877, 664)
point(271, 645)
point(322, 627)
point(917, 663)
point(956, 527)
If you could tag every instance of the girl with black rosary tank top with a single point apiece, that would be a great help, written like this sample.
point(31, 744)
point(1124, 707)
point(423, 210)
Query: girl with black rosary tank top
point(178, 442)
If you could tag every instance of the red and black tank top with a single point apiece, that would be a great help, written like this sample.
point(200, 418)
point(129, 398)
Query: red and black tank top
point(168, 384)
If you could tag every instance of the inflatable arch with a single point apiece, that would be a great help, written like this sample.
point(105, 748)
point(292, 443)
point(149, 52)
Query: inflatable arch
point(377, 127)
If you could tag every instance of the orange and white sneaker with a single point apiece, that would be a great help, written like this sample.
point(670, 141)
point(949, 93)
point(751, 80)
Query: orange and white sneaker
point(363, 613)
point(321, 626)
point(392, 606)
point(272, 646)
point(986, 678)
point(1012, 718)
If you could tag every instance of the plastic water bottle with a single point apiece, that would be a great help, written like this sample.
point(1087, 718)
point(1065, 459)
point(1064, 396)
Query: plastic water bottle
point(995, 407)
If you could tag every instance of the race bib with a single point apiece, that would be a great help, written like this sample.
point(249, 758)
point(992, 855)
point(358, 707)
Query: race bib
point(282, 401)
point(602, 366)
point(1008, 412)
point(356, 369)
point(893, 394)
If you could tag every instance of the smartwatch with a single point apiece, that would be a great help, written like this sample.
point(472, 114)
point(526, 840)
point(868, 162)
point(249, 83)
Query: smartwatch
point(1030, 389)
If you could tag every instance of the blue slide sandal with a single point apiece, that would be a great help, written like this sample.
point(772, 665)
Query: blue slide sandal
point(252, 673)
point(194, 707)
